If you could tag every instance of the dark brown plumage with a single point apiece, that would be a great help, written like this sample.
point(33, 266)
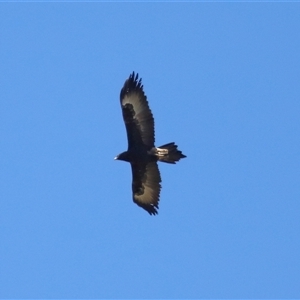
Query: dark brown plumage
point(142, 153)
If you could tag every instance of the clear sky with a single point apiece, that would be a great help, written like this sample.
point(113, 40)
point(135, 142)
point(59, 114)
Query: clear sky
point(223, 82)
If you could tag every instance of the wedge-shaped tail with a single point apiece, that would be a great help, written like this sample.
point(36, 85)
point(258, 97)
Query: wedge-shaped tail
point(168, 153)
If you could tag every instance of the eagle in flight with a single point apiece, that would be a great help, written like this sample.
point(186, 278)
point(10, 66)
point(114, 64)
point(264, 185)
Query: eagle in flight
point(142, 153)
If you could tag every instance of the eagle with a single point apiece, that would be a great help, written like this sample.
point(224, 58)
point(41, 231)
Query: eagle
point(142, 153)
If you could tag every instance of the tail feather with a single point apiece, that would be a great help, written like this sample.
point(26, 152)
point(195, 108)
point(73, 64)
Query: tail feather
point(169, 153)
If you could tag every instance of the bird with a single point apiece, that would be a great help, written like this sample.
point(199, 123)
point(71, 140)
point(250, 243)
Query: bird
point(142, 153)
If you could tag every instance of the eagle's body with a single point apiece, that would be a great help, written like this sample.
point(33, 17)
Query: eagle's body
point(142, 153)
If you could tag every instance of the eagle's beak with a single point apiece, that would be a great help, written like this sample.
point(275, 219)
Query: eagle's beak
point(116, 157)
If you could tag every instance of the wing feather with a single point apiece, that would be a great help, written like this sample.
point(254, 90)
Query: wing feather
point(146, 186)
point(137, 115)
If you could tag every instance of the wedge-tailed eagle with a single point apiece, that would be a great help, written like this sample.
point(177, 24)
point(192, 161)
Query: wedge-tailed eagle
point(142, 153)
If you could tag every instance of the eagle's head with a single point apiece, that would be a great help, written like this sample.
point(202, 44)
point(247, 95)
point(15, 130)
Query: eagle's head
point(123, 156)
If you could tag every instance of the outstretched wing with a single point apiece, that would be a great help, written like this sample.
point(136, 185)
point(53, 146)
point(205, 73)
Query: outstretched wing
point(146, 186)
point(137, 115)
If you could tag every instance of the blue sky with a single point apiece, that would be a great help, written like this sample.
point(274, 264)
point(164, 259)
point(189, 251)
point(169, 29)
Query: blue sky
point(222, 80)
